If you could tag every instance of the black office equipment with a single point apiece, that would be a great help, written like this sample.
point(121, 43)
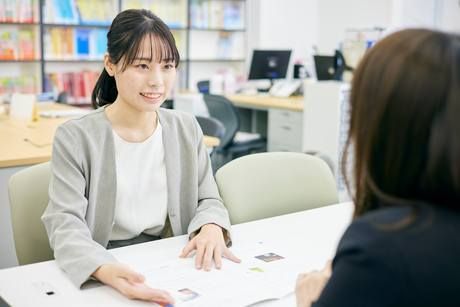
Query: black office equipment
point(330, 67)
point(269, 64)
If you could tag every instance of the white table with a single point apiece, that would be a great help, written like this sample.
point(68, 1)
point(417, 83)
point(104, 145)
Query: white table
point(309, 237)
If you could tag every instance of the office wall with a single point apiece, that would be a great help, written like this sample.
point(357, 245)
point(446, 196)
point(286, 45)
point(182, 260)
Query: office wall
point(449, 15)
point(275, 24)
point(438, 14)
point(335, 16)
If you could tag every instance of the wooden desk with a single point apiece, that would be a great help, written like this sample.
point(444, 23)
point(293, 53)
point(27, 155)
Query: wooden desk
point(313, 238)
point(266, 102)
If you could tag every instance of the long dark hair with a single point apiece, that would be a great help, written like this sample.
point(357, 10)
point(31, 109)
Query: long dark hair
point(124, 39)
point(405, 120)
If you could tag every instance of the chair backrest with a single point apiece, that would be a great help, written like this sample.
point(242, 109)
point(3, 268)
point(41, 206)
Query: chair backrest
point(223, 110)
point(28, 193)
point(269, 184)
point(211, 126)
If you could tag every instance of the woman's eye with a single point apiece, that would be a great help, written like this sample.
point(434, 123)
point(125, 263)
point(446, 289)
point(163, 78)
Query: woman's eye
point(143, 66)
point(169, 66)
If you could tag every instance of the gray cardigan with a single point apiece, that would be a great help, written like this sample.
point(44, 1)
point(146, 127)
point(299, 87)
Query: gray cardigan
point(82, 191)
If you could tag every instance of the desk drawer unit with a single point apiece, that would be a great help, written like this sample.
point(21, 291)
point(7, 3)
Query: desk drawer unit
point(284, 130)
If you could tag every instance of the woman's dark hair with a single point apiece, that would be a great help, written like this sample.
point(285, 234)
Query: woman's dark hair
point(124, 39)
point(405, 120)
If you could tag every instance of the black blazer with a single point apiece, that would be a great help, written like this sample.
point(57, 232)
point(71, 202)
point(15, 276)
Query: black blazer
point(384, 259)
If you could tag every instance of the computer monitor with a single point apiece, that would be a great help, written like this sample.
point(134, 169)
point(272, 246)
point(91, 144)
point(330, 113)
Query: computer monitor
point(330, 67)
point(269, 64)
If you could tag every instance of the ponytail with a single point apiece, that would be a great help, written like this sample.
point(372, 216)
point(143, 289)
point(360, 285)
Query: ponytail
point(105, 91)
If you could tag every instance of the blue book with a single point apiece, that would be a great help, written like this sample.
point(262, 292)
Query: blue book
point(82, 42)
point(101, 43)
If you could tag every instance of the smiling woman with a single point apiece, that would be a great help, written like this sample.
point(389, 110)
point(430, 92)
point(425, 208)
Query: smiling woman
point(130, 171)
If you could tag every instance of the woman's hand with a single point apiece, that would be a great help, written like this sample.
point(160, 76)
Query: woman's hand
point(130, 284)
point(209, 244)
point(310, 285)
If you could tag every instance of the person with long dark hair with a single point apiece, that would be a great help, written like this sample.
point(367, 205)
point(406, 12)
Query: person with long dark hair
point(403, 246)
point(130, 171)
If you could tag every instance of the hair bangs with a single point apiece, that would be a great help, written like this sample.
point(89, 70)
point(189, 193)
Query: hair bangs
point(161, 49)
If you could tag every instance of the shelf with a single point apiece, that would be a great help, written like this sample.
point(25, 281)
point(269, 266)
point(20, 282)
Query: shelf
point(221, 30)
point(217, 29)
point(68, 25)
point(19, 24)
point(215, 60)
point(176, 28)
point(19, 61)
point(74, 60)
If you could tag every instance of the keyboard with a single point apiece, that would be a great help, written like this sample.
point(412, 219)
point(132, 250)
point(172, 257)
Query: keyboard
point(64, 113)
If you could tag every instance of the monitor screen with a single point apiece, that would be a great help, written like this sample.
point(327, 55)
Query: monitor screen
point(324, 65)
point(269, 64)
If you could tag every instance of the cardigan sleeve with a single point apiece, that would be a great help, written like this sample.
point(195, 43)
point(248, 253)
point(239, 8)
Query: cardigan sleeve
point(70, 238)
point(210, 206)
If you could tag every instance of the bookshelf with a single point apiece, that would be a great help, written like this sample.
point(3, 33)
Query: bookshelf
point(58, 45)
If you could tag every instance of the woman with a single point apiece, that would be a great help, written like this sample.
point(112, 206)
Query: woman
point(403, 246)
point(131, 171)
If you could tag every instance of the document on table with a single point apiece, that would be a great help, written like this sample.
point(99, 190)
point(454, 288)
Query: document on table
point(263, 274)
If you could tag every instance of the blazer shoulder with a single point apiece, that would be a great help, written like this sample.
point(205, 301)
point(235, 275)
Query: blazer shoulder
point(92, 121)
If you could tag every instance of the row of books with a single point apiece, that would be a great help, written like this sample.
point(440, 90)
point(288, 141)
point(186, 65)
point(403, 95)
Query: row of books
point(75, 43)
point(172, 12)
point(100, 12)
point(77, 85)
point(217, 14)
point(17, 44)
point(23, 11)
point(20, 84)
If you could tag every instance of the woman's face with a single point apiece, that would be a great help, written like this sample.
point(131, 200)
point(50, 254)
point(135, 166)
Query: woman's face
point(145, 84)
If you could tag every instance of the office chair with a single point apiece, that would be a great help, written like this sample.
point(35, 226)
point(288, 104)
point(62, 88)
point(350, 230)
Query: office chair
point(211, 126)
point(28, 193)
point(234, 143)
point(269, 184)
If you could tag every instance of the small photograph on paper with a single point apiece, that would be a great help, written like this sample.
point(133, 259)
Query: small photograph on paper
point(187, 294)
point(269, 257)
point(256, 269)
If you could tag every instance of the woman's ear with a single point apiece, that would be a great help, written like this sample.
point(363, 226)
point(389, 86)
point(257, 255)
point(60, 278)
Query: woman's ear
point(109, 66)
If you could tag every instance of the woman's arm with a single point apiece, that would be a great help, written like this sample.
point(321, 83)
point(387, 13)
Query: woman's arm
point(210, 227)
point(74, 249)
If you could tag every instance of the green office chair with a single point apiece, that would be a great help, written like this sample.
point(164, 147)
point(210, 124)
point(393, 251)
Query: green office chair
point(28, 192)
point(263, 185)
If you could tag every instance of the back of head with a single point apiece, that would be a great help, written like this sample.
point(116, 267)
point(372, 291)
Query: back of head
point(405, 104)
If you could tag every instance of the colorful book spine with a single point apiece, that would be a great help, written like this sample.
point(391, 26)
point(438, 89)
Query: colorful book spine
point(22, 84)
point(75, 43)
point(23, 11)
point(77, 85)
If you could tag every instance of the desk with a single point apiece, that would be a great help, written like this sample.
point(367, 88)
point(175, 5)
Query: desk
point(313, 237)
point(284, 124)
point(26, 143)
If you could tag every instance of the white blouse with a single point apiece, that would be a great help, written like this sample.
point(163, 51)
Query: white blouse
point(141, 201)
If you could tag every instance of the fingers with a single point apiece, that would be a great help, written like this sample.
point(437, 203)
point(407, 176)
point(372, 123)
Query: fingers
point(229, 255)
point(208, 256)
point(141, 291)
point(327, 271)
point(218, 257)
point(200, 249)
point(188, 249)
